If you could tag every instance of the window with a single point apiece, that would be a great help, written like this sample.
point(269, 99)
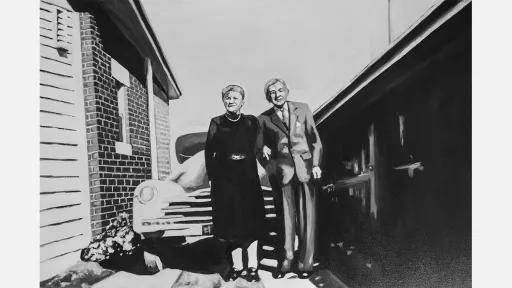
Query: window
point(124, 130)
point(123, 145)
point(122, 77)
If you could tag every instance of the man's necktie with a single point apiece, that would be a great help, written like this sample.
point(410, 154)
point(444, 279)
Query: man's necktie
point(285, 118)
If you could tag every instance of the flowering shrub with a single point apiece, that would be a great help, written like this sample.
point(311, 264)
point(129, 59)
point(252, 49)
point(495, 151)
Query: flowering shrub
point(118, 239)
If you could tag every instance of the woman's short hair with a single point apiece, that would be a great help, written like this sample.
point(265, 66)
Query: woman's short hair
point(233, 88)
point(270, 83)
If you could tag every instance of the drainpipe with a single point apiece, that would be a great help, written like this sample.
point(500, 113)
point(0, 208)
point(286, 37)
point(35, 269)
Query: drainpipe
point(152, 126)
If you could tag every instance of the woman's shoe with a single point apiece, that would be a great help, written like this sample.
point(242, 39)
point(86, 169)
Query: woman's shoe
point(233, 274)
point(252, 275)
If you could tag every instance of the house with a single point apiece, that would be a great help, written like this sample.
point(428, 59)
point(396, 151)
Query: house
point(105, 87)
point(397, 145)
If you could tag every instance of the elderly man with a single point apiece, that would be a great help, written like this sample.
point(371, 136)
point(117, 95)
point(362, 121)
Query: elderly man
point(292, 152)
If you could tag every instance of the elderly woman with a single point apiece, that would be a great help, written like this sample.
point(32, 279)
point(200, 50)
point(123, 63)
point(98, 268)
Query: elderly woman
point(238, 211)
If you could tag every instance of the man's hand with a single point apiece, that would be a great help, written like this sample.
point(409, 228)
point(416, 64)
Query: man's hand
point(317, 172)
point(266, 152)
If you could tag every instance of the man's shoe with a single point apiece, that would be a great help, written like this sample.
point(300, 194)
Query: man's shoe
point(278, 274)
point(282, 269)
point(304, 275)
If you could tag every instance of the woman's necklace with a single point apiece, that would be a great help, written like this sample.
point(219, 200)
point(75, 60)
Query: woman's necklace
point(239, 115)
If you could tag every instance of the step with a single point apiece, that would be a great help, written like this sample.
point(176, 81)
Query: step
point(268, 252)
point(268, 248)
point(268, 264)
point(268, 200)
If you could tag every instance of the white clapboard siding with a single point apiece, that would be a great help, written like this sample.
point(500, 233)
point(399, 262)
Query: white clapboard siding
point(53, 200)
point(59, 215)
point(62, 247)
point(57, 106)
point(59, 184)
point(45, 24)
point(61, 80)
point(58, 232)
point(47, 39)
point(56, 3)
point(47, 15)
point(49, 267)
point(47, 34)
point(58, 121)
point(51, 52)
point(51, 43)
point(47, 42)
point(57, 151)
point(55, 135)
point(54, 66)
point(57, 94)
point(60, 168)
point(48, 6)
point(64, 191)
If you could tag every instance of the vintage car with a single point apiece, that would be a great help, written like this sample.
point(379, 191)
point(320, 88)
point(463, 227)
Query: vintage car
point(180, 205)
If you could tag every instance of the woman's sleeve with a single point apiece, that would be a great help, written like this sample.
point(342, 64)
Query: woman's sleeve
point(258, 147)
point(209, 151)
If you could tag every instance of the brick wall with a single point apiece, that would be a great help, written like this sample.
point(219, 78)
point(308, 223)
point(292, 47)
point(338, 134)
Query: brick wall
point(113, 177)
point(163, 138)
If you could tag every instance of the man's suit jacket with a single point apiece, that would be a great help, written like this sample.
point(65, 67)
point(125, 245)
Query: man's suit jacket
point(296, 150)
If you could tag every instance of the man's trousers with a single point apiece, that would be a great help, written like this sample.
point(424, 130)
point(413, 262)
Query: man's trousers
point(297, 209)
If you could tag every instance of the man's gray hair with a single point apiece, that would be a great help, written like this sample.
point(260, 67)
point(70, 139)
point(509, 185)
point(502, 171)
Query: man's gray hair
point(233, 88)
point(270, 83)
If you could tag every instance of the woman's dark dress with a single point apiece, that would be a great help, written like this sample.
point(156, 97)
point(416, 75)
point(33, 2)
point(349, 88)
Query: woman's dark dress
point(237, 199)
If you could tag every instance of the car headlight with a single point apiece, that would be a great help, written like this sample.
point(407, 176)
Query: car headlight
point(146, 194)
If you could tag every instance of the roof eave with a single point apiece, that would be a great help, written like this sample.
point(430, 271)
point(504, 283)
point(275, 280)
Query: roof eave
point(144, 21)
point(424, 27)
point(130, 18)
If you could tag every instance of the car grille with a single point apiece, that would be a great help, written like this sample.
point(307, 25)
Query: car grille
point(191, 214)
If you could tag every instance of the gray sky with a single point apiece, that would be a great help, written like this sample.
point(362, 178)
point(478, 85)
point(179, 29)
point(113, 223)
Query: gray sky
point(316, 46)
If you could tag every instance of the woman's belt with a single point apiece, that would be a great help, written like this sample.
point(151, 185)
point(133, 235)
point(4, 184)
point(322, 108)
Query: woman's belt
point(236, 156)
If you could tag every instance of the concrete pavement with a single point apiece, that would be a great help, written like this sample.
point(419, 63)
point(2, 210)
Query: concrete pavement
point(179, 279)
